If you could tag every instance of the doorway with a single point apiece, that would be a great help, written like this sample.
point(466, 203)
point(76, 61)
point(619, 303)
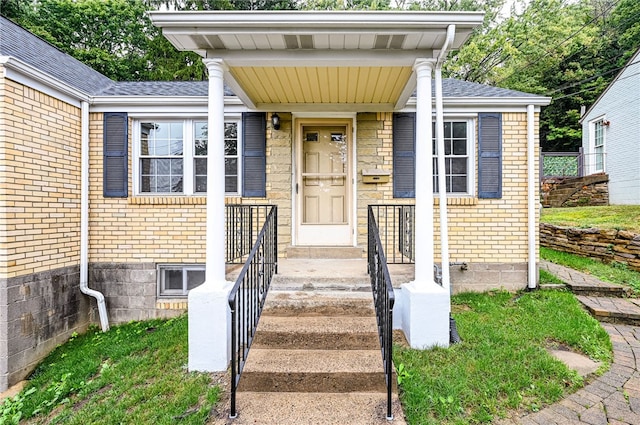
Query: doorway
point(323, 182)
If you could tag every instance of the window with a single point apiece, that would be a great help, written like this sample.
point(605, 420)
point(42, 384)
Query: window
point(456, 157)
point(177, 280)
point(172, 157)
point(598, 145)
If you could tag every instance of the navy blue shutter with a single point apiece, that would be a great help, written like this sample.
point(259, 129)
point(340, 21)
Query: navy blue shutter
point(115, 155)
point(404, 155)
point(490, 155)
point(254, 154)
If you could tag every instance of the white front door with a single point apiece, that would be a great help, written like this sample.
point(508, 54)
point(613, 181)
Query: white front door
point(324, 182)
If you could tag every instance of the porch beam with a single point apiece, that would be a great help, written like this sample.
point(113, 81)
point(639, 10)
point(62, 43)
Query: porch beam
point(314, 58)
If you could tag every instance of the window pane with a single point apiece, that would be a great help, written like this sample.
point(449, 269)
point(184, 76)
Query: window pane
point(173, 279)
point(195, 278)
point(160, 148)
point(176, 167)
point(145, 184)
point(163, 184)
point(201, 166)
point(447, 147)
point(230, 147)
point(231, 184)
point(459, 130)
point(176, 147)
point(447, 130)
point(176, 184)
point(458, 166)
point(201, 184)
point(200, 147)
point(144, 146)
point(159, 131)
point(147, 166)
point(459, 147)
point(176, 130)
point(231, 166)
point(459, 184)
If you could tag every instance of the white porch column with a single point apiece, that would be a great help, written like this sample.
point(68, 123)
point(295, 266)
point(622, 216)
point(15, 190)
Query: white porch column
point(209, 313)
point(426, 305)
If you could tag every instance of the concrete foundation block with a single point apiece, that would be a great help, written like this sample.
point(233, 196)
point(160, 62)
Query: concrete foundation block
point(210, 327)
point(425, 314)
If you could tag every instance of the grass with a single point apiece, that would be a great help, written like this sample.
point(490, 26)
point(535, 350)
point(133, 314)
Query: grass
point(502, 365)
point(614, 272)
point(132, 374)
point(619, 217)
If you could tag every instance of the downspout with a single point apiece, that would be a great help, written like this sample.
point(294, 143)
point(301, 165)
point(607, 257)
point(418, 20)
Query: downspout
point(454, 338)
point(442, 182)
point(532, 201)
point(84, 221)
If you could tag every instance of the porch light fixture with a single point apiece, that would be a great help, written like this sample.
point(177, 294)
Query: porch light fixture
point(275, 121)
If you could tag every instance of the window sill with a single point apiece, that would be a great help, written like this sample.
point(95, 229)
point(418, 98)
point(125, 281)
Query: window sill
point(178, 200)
point(461, 201)
point(172, 303)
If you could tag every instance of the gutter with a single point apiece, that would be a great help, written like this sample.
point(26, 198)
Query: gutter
point(84, 221)
point(442, 182)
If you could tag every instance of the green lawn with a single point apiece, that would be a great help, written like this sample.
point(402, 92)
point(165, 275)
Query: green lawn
point(136, 373)
point(620, 217)
point(502, 365)
point(132, 374)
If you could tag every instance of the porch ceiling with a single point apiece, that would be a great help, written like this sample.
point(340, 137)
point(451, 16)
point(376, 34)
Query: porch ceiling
point(316, 60)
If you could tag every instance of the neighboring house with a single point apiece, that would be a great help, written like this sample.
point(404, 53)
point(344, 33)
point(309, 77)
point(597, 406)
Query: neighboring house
point(611, 135)
point(104, 184)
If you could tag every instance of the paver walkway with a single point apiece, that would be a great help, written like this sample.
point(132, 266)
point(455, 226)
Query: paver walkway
point(613, 398)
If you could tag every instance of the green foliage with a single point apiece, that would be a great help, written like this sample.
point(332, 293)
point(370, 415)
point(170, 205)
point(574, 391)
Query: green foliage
point(134, 373)
point(502, 365)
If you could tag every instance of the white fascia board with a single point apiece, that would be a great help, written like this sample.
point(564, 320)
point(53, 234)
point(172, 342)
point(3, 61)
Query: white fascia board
point(29, 76)
point(237, 89)
point(496, 102)
point(278, 21)
point(315, 58)
point(164, 105)
point(326, 107)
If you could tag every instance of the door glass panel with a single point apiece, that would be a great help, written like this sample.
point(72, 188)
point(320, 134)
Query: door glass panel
point(324, 173)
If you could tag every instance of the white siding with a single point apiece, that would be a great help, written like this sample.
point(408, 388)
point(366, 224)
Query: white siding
point(620, 105)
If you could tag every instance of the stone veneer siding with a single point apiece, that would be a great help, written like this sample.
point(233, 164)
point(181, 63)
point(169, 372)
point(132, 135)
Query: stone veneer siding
point(490, 235)
point(40, 301)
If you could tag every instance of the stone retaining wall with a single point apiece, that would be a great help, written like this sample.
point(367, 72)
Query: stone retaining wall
point(607, 245)
point(584, 191)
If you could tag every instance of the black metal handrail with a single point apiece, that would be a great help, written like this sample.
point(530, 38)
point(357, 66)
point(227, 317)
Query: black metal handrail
point(248, 296)
point(396, 225)
point(383, 298)
point(243, 223)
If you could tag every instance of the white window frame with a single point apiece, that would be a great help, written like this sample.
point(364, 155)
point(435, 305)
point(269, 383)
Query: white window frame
point(188, 154)
point(594, 146)
point(471, 157)
point(173, 293)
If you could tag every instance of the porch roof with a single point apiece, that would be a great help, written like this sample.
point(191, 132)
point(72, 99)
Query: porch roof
point(318, 60)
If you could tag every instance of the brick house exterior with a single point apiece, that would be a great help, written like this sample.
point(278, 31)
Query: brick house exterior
point(45, 99)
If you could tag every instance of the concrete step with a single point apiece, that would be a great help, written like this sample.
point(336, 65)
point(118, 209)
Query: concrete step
point(613, 310)
point(319, 303)
point(334, 252)
point(333, 371)
point(270, 408)
point(317, 333)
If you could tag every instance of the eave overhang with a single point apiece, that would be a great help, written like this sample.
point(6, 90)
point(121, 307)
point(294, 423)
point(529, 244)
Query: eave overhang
point(318, 60)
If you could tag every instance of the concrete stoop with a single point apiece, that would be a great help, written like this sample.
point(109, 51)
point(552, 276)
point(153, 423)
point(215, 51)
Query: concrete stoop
point(315, 360)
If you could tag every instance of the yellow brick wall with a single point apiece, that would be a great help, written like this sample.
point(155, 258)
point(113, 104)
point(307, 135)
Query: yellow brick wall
point(480, 230)
point(39, 181)
point(171, 229)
